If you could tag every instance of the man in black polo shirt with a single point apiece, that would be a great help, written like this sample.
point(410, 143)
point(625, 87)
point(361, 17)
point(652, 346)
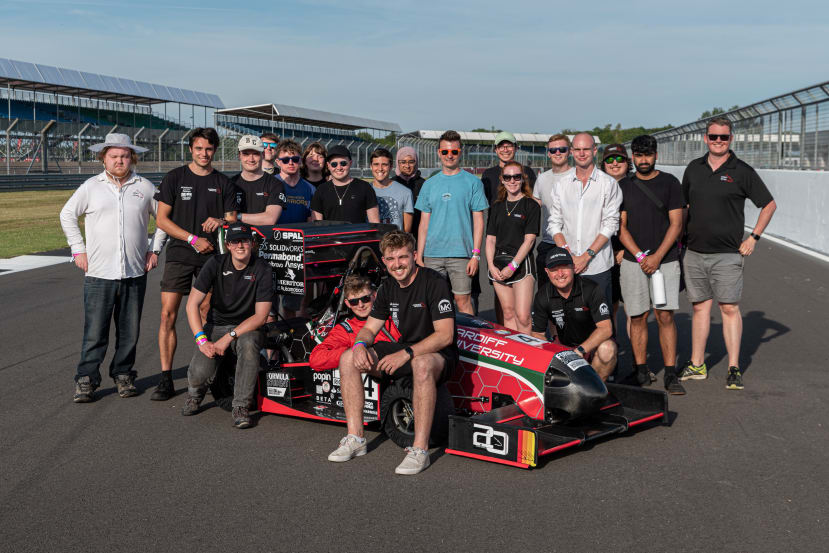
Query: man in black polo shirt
point(242, 290)
point(419, 303)
point(260, 196)
point(193, 202)
point(578, 309)
point(344, 198)
point(715, 188)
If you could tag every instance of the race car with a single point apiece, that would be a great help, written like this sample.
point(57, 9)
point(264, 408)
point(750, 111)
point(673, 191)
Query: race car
point(512, 399)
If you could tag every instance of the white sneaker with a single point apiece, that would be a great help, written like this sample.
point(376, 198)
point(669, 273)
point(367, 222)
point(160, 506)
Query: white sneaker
point(351, 446)
point(416, 461)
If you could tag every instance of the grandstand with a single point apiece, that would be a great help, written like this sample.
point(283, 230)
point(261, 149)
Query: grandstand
point(51, 114)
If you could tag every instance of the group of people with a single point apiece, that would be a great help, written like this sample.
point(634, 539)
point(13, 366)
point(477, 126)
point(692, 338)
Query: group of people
point(606, 231)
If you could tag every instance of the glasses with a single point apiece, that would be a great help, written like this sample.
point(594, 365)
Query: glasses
point(353, 302)
point(267, 145)
point(290, 159)
point(240, 241)
point(335, 164)
point(559, 150)
point(505, 146)
point(614, 159)
point(519, 177)
point(720, 137)
point(406, 162)
point(447, 152)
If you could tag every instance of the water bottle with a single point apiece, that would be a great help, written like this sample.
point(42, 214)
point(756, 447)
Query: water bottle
point(658, 289)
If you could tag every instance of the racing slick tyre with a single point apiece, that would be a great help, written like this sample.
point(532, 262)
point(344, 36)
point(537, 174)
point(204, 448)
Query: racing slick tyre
point(397, 414)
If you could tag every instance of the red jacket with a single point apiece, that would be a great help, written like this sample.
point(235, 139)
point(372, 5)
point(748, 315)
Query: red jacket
point(326, 355)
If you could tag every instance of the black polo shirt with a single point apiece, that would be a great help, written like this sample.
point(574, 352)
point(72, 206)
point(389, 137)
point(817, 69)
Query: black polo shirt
point(253, 196)
point(575, 317)
point(235, 292)
point(491, 180)
point(716, 203)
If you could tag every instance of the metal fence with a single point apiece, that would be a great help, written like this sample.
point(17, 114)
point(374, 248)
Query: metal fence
point(474, 157)
point(790, 131)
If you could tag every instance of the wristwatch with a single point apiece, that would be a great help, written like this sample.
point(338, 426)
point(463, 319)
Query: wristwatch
point(590, 252)
point(233, 334)
point(410, 351)
point(581, 350)
point(755, 236)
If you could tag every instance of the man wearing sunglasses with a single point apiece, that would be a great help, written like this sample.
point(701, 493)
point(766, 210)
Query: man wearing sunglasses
point(269, 143)
point(558, 150)
point(452, 205)
point(241, 298)
point(260, 196)
point(344, 198)
point(298, 191)
point(505, 148)
point(715, 188)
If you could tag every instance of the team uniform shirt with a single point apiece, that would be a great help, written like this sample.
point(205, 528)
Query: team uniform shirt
point(645, 221)
point(510, 221)
point(116, 225)
point(576, 316)
point(581, 213)
point(491, 179)
point(347, 203)
point(316, 183)
point(235, 292)
point(543, 191)
point(716, 203)
point(194, 198)
point(297, 207)
point(253, 196)
point(450, 201)
point(414, 308)
point(326, 356)
point(394, 200)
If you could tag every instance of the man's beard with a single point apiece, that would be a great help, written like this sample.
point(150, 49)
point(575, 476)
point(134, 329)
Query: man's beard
point(645, 168)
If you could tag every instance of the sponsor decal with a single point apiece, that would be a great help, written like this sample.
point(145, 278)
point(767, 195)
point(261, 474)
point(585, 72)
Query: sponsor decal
point(604, 309)
point(290, 274)
point(444, 306)
point(326, 387)
point(212, 189)
point(558, 315)
point(726, 178)
point(281, 197)
point(502, 332)
point(488, 346)
point(251, 278)
point(572, 359)
point(491, 440)
point(275, 391)
point(527, 339)
point(418, 305)
point(186, 192)
point(285, 253)
point(261, 194)
point(238, 198)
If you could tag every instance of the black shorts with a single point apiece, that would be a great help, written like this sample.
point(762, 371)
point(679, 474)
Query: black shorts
point(450, 358)
point(178, 277)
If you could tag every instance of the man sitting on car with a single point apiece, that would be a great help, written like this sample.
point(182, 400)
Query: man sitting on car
point(359, 296)
point(242, 288)
point(578, 308)
point(419, 303)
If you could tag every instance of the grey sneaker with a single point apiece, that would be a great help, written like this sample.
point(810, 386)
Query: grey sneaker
point(126, 385)
point(416, 461)
point(350, 447)
point(84, 390)
point(241, 417)
point(192, 405)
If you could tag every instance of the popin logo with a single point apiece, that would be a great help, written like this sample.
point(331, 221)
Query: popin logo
point(491, 440)
point(444, 306)
point(603, 309)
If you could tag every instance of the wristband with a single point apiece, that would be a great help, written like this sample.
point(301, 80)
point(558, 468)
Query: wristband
point(192, 239)
point(200, 333)
point(476, 250)
point(513, 265)
point(476, 257)
point(359, 343)
point(74, 255)
point(566, 247)
point(201, 338)
point(642, 255)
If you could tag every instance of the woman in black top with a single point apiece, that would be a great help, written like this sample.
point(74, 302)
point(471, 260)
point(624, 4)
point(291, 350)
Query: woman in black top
point(511, 232)
point(313, 167)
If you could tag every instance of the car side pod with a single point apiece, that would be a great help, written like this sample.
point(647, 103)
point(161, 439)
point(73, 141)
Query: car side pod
point(506, 435)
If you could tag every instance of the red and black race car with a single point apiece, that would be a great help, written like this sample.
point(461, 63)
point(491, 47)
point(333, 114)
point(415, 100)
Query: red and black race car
point(512, 399)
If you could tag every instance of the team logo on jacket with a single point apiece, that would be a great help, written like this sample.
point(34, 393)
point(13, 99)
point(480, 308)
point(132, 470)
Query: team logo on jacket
point(726, 178)
point(558, 315)
point(251, 278)
point(444, 306)
point(603, 309)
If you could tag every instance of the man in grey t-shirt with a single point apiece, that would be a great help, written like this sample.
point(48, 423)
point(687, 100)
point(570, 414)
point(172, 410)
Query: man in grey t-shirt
point(393, 199)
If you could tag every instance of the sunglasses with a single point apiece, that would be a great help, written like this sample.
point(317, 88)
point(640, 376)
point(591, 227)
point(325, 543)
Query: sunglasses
point(559, 150)
point(354, 302)
point(614, 159)
point(290, 159)
point(519, 177)
point(447, 152)
point(267, 145)
point(720, 137)
point(245, 241)
point(337, 163)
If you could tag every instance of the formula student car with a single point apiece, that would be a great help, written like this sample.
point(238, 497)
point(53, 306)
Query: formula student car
point(512, 399)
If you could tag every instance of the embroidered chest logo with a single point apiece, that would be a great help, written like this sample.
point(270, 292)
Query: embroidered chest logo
point(726, 178)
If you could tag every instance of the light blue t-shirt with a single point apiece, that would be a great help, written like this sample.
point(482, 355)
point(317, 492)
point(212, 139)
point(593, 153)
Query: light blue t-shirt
point(393, 201)
point(450, 200)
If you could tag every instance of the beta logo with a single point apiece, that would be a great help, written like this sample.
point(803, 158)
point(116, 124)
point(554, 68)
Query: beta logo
point(490, 440)
point(444, 306)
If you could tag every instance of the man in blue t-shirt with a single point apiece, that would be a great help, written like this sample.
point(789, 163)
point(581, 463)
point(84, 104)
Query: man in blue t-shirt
point(298, 191)
point(452, 221)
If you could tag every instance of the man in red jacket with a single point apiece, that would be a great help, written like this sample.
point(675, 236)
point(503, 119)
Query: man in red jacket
point(359, 296)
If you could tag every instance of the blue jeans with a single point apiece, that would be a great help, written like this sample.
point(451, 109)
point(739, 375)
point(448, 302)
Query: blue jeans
point(104, 300)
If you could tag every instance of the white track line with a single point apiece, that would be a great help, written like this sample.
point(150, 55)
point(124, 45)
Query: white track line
point(792, 245)
point(26, 262)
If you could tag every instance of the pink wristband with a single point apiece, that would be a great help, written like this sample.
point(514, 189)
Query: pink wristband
point(476, 250)
point(192, 239)
point(641, 256)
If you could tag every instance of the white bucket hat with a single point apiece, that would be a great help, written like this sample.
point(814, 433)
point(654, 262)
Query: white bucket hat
point(117, 140)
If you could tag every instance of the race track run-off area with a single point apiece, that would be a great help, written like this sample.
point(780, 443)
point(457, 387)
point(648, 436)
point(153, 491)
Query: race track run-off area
point(733, 471)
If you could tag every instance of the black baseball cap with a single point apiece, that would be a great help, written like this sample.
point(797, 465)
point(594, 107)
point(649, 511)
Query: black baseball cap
point(558, 256)
point(615, 150)
point(238, 231)
point(338, 151)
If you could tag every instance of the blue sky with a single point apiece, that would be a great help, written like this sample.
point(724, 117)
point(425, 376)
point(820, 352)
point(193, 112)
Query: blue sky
point(523, 66)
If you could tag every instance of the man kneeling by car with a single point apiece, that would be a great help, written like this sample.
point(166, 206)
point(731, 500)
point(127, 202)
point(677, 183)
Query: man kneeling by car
point(242, 292)
point(578, 308)
point(419, 303)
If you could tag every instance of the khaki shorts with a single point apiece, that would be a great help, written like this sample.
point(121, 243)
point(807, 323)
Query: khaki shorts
point(637, 290)
point(714, 276)
point(455, 269)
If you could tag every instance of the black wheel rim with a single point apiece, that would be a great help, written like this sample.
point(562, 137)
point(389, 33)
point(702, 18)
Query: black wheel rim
point(402, 415)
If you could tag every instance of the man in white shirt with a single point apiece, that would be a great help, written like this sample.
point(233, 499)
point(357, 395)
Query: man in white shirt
point(585, 214)
point(558, 150)
point(117, 205)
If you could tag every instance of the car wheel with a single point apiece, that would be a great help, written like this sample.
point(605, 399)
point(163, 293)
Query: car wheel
point(397, 415)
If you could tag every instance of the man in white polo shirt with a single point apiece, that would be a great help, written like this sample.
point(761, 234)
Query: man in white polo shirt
point(116, 205)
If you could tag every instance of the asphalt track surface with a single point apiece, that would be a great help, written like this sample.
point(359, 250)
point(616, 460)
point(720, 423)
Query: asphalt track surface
point(734, 471)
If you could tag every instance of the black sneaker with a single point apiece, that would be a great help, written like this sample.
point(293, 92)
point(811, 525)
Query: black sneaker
point(672, 385)
point(735, 379)
point(241, 417)
point(192, 405)
point(644, 376)
point(84, 390)
point(126, 385)
point(165, 389)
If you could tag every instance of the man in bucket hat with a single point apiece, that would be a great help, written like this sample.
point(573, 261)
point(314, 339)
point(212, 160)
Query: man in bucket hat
point(117, 204)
